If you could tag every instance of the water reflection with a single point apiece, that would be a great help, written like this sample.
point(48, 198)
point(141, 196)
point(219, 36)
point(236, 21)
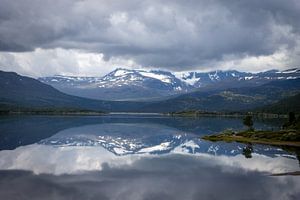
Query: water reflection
point(92, 141)
point(248, 150)
point(138, 138)
point(168, 177)
point(138, 157)
point(75, 159)
point(23, 130)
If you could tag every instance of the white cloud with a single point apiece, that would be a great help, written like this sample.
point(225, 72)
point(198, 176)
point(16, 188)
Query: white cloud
point(92, 37)
point(44, 62)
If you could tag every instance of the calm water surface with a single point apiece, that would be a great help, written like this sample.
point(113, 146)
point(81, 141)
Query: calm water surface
point(139, 157)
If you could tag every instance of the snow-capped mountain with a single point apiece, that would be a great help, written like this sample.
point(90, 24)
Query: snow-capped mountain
point(129, 84)
point(155, 79)
point(122, 77)
point(202, 79)
point(121, 84)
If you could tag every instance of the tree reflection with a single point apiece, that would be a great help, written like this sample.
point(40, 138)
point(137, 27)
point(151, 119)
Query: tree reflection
point(247, 151)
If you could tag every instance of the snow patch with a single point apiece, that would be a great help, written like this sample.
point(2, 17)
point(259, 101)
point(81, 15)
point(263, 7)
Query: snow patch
point(120, 151)
point(186, 147)
point(163, 78)
point(214, 77)
point(161, 147)
point(289, 71)
point(121, 72)
point(184, 76)
point(248, 77)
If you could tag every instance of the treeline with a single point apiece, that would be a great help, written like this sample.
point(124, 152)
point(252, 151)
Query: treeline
point(6, 110)
point(198, 113)
point(290, 104)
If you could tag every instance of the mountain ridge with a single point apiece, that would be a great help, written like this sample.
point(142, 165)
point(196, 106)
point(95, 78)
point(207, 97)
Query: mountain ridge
point(232, 99)
point(136, 85)
point(24, 92)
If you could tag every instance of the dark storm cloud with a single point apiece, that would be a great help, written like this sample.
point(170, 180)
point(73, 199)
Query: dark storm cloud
point(151, 178)
point(153, 33)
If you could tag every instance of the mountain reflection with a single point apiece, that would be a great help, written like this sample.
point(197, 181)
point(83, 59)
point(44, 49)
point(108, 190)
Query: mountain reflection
point(23, 130)
point(138, 157)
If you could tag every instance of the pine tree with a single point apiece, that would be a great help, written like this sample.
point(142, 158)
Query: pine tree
point(247, 121)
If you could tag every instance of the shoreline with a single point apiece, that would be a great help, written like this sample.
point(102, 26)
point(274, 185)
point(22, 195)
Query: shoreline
point(265, 138)
point(134, 113)
point(59, 113)
point(184, 115)
point(75, 113)
point(229, 114)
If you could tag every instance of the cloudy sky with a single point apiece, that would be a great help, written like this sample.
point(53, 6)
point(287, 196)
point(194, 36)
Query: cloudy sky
point(92, 37)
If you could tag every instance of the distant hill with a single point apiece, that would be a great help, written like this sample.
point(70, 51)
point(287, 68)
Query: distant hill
point(235, 99)
point(148, 85)
point(284, 106)
point(21, 92)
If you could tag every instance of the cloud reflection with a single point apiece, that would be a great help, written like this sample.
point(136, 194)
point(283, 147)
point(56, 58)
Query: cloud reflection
point(164, 177)
point(57, 169)
point(73, 159)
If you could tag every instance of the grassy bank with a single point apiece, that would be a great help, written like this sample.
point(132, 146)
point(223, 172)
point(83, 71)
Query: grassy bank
point(193, 113)
point(278, 138)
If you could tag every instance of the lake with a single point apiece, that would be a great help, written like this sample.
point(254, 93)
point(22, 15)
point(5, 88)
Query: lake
point(132, 157)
